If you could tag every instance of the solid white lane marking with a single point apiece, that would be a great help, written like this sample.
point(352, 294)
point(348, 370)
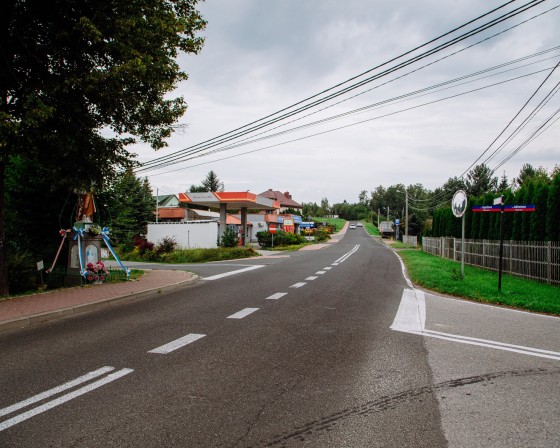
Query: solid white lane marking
point(298, 285)
point(239, 271)
point(311, 277)
point(411, 318)
point(63, 399)
point(177, 343)
point(494, 344)
point(403, 268)
point(320, 272)
point(328, 268)
point(276, 296)
point(55, 390)
point(243, 313)
point(348, 254)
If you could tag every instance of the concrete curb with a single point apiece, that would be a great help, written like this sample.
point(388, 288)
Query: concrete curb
point(34, 319)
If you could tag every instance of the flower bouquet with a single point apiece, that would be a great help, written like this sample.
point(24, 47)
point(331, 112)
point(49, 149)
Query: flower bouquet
point(96, 273)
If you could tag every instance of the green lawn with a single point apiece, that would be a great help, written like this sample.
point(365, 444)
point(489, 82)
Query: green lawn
point(337, 222)
point(371, 229)
point(443, 275)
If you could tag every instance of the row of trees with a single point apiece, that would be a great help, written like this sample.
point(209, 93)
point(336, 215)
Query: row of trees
point(541, 225)
point(429, 212)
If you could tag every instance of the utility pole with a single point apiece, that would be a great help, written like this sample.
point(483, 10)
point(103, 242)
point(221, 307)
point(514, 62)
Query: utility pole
point(378, 212)
point(406, 216)
point(157, 204)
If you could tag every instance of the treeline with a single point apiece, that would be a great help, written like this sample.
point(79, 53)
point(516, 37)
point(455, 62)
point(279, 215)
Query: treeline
point(541, 225)
point(429, 212)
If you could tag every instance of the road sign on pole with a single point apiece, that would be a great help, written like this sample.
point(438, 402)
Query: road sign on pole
point(459, 206)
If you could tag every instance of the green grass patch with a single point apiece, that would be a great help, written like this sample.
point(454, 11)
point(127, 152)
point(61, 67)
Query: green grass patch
point(443, 275)
point(401, 245)
point(337, 222)
point(117, 275)
point(371, 229)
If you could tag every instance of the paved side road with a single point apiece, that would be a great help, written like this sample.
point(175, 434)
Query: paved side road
point(33, 309)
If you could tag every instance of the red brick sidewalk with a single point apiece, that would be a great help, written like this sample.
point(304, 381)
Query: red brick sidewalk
point(23, 311)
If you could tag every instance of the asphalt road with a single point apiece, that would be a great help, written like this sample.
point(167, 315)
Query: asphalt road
point(292, 351)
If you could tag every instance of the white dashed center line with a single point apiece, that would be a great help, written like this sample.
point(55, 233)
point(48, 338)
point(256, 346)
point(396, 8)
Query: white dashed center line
point(312, 277)
point(276, 296)
point(243, 313)
point(178, 343)
point(298, 285)
point(328, 268)
point(320, 272)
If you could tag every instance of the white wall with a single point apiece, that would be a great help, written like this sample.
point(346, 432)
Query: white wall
point(188, 235)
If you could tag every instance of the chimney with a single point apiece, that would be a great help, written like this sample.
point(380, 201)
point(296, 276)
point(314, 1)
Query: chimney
point(288, 195)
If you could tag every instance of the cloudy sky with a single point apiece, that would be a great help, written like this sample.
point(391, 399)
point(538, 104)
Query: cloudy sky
point(263, 56)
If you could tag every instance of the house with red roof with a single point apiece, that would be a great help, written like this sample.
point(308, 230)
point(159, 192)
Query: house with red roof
point(284, 199)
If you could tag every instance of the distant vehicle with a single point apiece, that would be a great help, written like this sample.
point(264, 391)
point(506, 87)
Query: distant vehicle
point(352, 226)
point(386, 229)
point(360, 224)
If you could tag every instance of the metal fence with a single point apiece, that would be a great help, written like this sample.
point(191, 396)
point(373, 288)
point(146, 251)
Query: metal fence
point(537, 260)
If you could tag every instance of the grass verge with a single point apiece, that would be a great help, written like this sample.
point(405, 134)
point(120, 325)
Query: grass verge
point(371, 229)
point(337, 222)
point(444, 276)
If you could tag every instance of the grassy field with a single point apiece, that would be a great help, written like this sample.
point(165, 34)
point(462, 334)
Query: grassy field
point(337, 222)
point(371, 229)
point(444, 276)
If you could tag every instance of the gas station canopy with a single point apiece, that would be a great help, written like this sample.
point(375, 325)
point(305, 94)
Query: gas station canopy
point(233, 200)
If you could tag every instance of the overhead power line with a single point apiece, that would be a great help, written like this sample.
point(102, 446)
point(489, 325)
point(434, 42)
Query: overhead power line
point(196, 149)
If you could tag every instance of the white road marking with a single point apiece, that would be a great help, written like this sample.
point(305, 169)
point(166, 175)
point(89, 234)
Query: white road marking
point(311, 277)
point(348, 254)
point(320, 272)
point(56, 390)
point(298, 285)
point(328, 268)
point(243, 313)
point(494, 344)
point(335, 264)
point(411, 318)
point(63, 399)
point(411, 314)
point(239, 271)
point(276, 296)
point(177, 343)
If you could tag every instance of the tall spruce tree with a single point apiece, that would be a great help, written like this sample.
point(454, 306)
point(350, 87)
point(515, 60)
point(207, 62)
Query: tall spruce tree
point(553, 210)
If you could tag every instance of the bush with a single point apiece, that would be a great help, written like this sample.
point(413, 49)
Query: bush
point(229, 238)
point(264, 238)
point(166, 246)
point(281, 238)
point(21, 272)
point(143, 245)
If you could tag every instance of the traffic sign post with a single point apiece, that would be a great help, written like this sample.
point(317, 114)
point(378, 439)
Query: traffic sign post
point(272, 229)
point(500, 207)
point(459, 206)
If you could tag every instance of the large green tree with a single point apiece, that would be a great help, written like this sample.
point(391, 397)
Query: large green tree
point(82, 80)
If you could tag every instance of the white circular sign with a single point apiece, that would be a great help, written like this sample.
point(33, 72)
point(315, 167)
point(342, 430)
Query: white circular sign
point(459, 203)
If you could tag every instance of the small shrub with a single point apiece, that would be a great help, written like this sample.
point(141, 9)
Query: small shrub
point(264, 238)
point(143, 245)
point(166, 246)
point(229, 238)
point(21, 272)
